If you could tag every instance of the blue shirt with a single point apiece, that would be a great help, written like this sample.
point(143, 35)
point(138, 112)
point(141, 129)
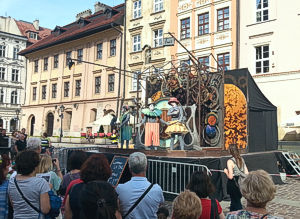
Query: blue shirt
point(132, 190)
point(3, 199)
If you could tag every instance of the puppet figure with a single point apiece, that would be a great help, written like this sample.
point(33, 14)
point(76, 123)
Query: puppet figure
point(125, 128)
point(176, 126)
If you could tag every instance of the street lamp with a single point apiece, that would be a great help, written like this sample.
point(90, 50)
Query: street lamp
point(18, 123)
point(61, 110)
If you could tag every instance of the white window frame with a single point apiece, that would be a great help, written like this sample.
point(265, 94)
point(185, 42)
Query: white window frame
point(33, 35)
point(2, 96)
point(136, 43)
point(261, 10)
point(2, 73)
point(15, 53)
point(262, 60)
point(15, 75)
point(137, 9)
point(158, 5)
point(14, 97)
point(158, 36)
point(2, 50)
point(134, 84)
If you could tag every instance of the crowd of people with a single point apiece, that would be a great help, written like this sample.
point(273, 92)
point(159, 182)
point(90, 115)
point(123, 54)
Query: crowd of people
point(25, 189)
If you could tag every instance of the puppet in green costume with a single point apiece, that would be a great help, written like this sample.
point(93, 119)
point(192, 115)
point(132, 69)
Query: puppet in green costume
point(125, 128)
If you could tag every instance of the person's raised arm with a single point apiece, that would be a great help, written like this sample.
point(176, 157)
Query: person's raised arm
point(229, 170)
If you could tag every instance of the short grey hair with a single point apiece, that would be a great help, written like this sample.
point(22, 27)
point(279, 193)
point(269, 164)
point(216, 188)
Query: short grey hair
point(34, 144)
point(137, 162)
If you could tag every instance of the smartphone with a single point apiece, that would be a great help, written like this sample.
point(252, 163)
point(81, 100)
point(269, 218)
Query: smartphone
point(53, 160)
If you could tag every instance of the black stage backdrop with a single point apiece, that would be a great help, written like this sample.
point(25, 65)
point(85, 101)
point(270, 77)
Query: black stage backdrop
point(262, 114)
point(254, 161)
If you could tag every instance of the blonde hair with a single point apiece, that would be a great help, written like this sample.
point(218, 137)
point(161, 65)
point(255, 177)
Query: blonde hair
point(258, 188)
point(187, 205)
point(45, 164)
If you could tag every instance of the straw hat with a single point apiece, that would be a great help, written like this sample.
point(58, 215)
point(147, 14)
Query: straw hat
point(173, 100)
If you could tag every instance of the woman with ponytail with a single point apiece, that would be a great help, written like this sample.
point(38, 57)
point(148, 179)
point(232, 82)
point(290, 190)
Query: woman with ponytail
point(98, 199)
point(236, 170)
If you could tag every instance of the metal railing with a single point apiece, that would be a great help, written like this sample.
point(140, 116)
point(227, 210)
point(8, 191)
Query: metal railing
point(172, 176)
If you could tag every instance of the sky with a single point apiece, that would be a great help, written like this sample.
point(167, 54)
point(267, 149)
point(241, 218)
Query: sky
point(49, 12)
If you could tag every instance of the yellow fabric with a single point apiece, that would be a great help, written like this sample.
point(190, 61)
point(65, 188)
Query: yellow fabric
point(176, 127)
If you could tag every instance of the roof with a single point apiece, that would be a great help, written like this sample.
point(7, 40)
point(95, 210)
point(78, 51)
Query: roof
point(95, 23)
point(26, 27)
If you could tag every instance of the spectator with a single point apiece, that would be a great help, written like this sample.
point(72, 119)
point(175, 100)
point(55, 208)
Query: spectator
point(34, 189)
point(34, 144)
point(131, 191)
point(258, 189)
point(21, 143)
point(75, 161)
point(201, 184)
point(99, 200)
point(23, 131)
point(162, 213)
point(235, 171)
point(46, 167)
point(187, 205)
point(45, 143)
point(96, 167)
point(14, 139)
point(4, 168)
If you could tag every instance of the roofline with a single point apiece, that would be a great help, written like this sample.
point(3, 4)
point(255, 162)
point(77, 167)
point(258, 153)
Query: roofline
point(15, 35)
point(71, 38)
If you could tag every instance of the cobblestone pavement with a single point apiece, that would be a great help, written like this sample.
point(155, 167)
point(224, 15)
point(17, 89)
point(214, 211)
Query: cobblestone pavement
point(286, 203)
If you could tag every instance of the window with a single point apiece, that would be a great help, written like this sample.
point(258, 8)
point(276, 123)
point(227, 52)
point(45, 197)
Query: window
point(158, 5)
point(223, 19)
point(34, 93)
point(66, 89)
point(54, 90)
point(111, 83)
point(44, 87)
point(262, 10)
point(262, 62)
point(79, 55)
point(137, 6)
point(15, 54)
point(203, 24)
point(55, 64)
point(1, 96)
point(113, 47)
point(14, 97)
point(2, 50)
point(15, 75)
point(224, 61)
point(45, 64)
point(99, 50)
point(136, 43)
point(158, 37)
point(33, 35)
point(185, 28)
point(36, 65)
point(68, 57)
point(204, 60)
point(97, 84)
point(135, 84)
point(78, 87)
point(2, 73)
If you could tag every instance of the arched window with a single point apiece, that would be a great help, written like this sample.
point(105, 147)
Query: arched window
point(14, 97)
point(1, 96)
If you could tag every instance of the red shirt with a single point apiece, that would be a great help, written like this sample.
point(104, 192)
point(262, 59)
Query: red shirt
point(72, 183)
point(206, 207)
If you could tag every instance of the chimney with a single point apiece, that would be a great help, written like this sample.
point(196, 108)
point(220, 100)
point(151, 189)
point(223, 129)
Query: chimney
point(84, 14)
point(100, 7)
point(36, 24)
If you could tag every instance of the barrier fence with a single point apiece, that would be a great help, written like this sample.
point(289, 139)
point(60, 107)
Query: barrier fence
point(172, 176)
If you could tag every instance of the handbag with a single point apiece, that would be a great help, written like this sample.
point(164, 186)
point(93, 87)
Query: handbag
point(240, 178)
point(138, 201)
point(55, 203)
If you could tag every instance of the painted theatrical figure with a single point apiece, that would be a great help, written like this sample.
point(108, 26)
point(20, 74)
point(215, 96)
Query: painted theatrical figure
point(125, 128)
point(151, 119)
point(176, 126)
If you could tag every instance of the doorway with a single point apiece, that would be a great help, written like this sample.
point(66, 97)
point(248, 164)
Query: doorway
point(50, 122)
point(32, 123)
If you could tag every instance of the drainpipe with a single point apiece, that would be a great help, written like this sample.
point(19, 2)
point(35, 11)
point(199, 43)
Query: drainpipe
point(238, 17)
point(124, 63)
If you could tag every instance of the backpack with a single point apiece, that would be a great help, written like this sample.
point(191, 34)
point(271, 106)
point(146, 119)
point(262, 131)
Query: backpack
point(55, 203)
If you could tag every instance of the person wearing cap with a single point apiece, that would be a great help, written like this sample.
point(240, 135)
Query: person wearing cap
point(176, 126)
point(125, 128)
point(152, 118)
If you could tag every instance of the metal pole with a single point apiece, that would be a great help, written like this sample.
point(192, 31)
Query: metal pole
point(61, 120)
point(124, 64)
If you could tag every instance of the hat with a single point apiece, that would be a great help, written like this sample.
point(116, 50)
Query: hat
point(173, 100)
point(150, 101)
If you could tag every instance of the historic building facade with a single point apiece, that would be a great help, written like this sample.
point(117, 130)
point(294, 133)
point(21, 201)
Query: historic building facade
point(270, 33)
point(81, 93)
point(208, 28)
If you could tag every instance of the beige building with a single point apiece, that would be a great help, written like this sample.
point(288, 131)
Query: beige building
point(270, 33)
point(85, 91)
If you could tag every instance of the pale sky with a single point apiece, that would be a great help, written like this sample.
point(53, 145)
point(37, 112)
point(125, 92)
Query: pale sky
point(49, 12)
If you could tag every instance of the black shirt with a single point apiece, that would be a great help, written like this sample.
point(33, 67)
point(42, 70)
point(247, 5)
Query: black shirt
point(74, 200)
point(21, 145)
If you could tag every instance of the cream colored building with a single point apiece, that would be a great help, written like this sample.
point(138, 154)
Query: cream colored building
point(270, 33)
point(85, 90)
